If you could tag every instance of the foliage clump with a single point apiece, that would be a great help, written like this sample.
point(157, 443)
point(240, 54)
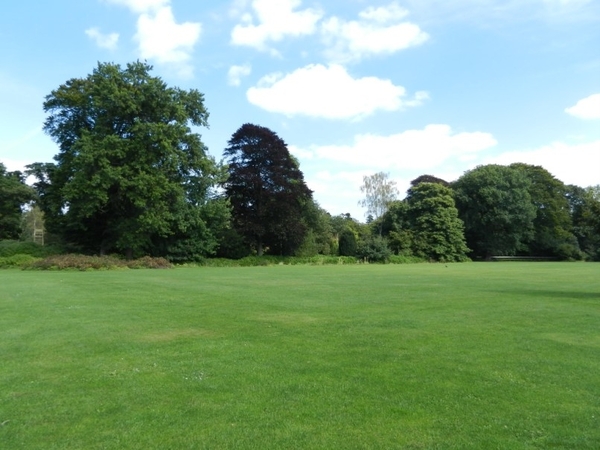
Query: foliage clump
point(130, 177)
point(9, 262)
point(13, 247)
point(85, 262)
point(266, 190)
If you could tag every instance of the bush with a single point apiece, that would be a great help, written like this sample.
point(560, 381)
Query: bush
point(7, 262)
point(148, 262)
point(11, 248)
point(84, 262)
point(268, 260)
point(373, 249)
point(404, 259)
point(347, 243)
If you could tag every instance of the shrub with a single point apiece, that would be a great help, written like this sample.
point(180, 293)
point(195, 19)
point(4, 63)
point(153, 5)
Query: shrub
point(16, 261)
point(347, 243)
point(11, 248)
point(404, 259)
point(373, 249)
point(84, 262)
point(148, 262)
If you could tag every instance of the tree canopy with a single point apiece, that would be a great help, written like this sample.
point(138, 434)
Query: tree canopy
point(266, 190)
point(14, 193)
point(552, 225)
point(130, 173)
point(437, 232)
point(379, 192)
point(494, 203)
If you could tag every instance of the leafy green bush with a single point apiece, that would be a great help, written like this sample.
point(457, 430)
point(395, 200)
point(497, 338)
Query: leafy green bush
point(11, 248)
point(16, 261)
point(148, 262)
point(404, 259)
point(84, 262)
point(347, 243)
point(373, 249)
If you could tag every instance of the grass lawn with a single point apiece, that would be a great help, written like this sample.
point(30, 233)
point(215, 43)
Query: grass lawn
point(468, 356)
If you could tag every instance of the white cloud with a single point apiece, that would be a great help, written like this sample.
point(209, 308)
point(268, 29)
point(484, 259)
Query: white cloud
point(160, 37)
point(277, 19)
point(415, 150)
point(379, 31)
point(384, 14)
point(587, 108)
point(141, 6)
point(571, 163)
point(236, 73)
point(328, 92)
point(108, 41)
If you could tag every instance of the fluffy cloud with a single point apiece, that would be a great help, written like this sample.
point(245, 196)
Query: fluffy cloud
point(277, 19)
point(329, 92)
point(410, 150)
point(384, 14)
point(571, 163)
point(236, 73)
point(379, 31)
point(587, 108)
point(160, 37)
point(108, 41)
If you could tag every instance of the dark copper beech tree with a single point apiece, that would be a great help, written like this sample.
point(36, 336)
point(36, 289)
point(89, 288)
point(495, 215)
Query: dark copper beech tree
point(267, 191)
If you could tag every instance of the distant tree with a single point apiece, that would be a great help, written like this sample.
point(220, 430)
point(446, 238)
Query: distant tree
point(494, 203)
point(373, 248)
point(552, 234)
point(266, 190)
point(130, 175)
point(347, 243)
point(437, 232)
point(319, 238)
point(584, 205)
point(428, 179)
point(342, 221)
point(14, 194)
point(379, 192)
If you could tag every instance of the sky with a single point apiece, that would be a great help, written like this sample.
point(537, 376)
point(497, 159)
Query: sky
point(354, 87)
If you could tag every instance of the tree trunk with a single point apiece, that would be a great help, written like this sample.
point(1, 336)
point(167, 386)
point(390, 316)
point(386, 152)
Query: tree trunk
point(129, 253)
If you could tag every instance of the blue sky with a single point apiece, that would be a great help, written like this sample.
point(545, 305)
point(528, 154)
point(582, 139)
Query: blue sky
point(354, 87)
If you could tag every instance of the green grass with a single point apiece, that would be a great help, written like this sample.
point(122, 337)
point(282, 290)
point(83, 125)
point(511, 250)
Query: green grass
point(468, 356)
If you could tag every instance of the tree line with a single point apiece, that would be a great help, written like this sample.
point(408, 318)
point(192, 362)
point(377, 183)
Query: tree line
point(132, 177)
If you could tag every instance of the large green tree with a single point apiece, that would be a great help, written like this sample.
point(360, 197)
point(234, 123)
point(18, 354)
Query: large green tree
point(14, 194)
point(436, 230)
point(584, 205)
point(266, 190)
point(552, 225)
point(494, 203)
point(130, 174)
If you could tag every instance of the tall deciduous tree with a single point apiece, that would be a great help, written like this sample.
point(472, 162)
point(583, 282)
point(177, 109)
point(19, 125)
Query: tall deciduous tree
point(552, 225)
point(379, 192)
point(584, 205)
point(14, 193)
point(437, 232)
point(266, 189)
point(129, 173)
point(494, 203)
